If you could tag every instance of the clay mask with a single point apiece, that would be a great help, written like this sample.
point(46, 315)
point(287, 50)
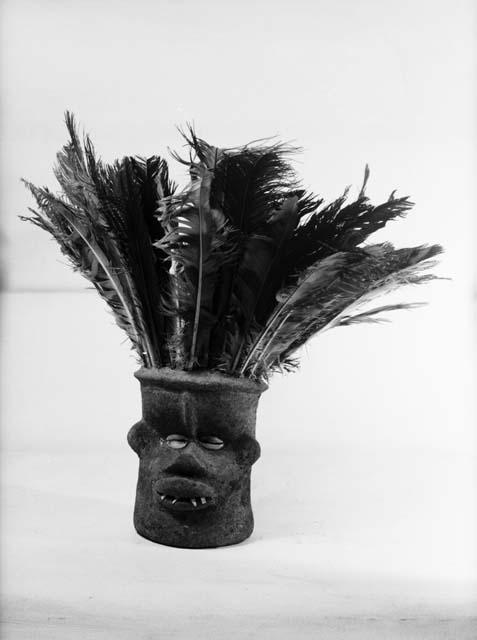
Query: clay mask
point(196, 447)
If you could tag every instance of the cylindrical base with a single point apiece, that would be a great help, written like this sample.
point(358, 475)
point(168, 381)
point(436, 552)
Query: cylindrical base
point(196, 447)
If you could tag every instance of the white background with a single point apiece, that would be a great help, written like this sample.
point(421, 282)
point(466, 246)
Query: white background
point(365, 494)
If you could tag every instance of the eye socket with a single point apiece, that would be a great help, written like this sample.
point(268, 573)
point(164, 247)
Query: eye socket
point(176, 441)
point(212, 442)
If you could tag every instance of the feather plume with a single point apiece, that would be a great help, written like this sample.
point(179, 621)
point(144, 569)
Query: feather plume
point(370, 315)
point(78, 243)
point(380, 269)
point(199, 242)
point(236, 271)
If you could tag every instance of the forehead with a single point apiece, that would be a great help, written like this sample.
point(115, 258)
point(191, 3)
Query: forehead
point(224, 414)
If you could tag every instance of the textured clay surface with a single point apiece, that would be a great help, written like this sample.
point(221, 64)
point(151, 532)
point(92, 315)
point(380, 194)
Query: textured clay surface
point(196, 445)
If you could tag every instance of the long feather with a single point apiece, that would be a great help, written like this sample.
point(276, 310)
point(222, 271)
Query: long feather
point(370, 315)
point(309, 284)
point(381, 270)
point(253, 186)
point(99, 206)
point(233, 273)
point(257, 264)
point(339, 228)
point(59, 220)
point(203, 209)
point(199, 242)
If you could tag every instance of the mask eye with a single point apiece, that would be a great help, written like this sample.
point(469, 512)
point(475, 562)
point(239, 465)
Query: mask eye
point(212, 442)
point(176, 441)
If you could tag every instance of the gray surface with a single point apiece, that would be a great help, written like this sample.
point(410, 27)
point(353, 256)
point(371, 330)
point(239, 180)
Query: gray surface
point(364, 525)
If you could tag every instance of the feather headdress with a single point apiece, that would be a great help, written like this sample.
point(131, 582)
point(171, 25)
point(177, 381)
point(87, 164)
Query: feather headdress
point(234, 272)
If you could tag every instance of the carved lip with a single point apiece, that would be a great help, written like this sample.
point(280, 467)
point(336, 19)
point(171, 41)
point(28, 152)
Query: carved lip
point(185, 504)
point(183, 494)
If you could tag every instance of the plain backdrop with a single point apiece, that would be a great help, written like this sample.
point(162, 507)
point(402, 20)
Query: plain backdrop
point(365, 495)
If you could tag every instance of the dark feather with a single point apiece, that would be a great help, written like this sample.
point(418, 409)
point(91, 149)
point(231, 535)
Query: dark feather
point(83, 250)
point(339, 228)
point(235, 272)
point(380, 269)
point(370, 315)
point(199, 243)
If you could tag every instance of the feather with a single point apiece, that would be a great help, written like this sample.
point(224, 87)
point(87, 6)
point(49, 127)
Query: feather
point(107, 217)
point(236, 271)
point(380, 269)
point(82, 249)
point(249, 181)
point(370, 315)
point(138, 253)
point(199, 242)
point(252, 186)
point(262, 253)
point(339, 228)
point(309, 285)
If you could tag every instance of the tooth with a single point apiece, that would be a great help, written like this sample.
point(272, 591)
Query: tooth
point(162, 496)
point(203, 500)
point(174, 501)
point(194, 501)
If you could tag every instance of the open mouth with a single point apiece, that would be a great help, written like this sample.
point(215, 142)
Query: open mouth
point(181, 503)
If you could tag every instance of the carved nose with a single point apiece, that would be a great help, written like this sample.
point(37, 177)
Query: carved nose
point(188, 465)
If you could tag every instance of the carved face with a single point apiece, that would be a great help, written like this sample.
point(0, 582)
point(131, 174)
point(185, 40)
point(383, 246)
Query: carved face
point(196, 449)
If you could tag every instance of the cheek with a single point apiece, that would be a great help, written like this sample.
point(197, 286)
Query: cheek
point(228, 466)
point(156, 458)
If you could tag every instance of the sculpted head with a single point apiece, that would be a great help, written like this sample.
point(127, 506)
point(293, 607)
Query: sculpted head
point(196, 446)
